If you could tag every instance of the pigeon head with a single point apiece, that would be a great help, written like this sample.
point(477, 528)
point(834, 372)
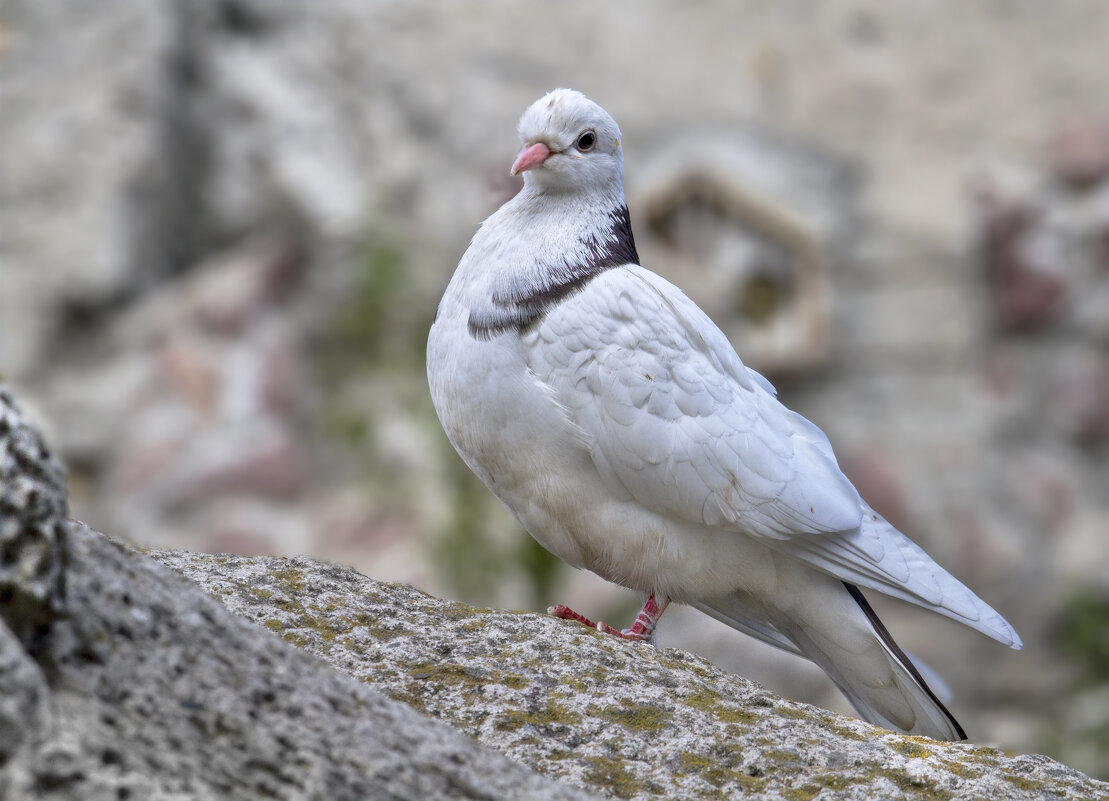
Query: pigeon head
point(569, 142)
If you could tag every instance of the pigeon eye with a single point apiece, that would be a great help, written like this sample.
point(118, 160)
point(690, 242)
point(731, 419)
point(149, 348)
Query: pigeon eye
point(586, 141)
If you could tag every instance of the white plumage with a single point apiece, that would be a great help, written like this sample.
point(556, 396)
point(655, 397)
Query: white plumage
point(614, 419)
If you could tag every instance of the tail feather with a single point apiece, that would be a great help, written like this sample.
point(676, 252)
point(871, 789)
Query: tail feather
point(841, 633)
point(941, 718)
point(900, 568)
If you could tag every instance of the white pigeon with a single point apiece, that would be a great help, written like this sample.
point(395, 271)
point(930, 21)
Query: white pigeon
point(616, 422)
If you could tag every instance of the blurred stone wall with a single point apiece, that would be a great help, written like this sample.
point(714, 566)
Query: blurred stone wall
point(224, 227)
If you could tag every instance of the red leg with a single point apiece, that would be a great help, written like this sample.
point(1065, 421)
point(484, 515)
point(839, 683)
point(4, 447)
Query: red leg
point(641, 629)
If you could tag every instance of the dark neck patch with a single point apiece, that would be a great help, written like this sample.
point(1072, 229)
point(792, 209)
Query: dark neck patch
point(519, 310)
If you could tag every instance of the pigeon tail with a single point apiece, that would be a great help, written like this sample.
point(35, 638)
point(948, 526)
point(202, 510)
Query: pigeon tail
point(933, 718)
point(859, 655)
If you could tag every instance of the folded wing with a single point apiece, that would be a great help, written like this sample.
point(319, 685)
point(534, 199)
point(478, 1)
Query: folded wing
point(671, 416)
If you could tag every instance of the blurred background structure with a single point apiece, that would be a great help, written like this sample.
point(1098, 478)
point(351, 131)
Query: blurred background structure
point(225, 226)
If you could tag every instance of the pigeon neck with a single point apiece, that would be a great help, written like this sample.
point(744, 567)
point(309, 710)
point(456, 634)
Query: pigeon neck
point(607, 195)
point(590, 233)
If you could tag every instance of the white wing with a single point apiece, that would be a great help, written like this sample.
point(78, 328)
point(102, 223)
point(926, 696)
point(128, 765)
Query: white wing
point(672, 417)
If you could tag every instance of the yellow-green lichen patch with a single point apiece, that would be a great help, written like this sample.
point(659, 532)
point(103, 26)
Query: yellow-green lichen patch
point(474, 626)
point(630, 715)
point(449, 674)
point(837, 782)
point(296, 638)
point(457, 612)
point(796, 713)
point(551, 714)
point(735, 714)
point(911, 747)
point(614, 776)
point(290, 579)
point(379, 632)
point(580, 679)
point(841, 731)
point(804, 792)
point(689, 663)
point(781, 757)
point(986, 753)
point(405, 696)
point(1025, 784)
point(423, 682)
point(304, 624)
point(555, 751)
point(915, 787)
point(716, 774)
point(515, 682)
point(381, 629)
point(577, 684)
point(711, 702)
point(961, 769)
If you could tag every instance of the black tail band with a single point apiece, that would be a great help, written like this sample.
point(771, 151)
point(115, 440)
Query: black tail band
point(902, 657)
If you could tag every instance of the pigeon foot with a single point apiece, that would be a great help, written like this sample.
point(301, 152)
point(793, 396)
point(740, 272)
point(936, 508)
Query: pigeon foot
point(641, 630)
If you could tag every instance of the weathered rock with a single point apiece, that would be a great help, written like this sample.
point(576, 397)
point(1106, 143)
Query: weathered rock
point(622, 719)
point(150, 689)
point(25, 714)
point(32, 525)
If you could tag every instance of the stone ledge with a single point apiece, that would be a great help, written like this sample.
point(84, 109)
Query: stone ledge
point(625, 720)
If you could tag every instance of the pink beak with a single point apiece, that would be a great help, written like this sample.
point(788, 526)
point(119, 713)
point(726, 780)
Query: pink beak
point(530, 156)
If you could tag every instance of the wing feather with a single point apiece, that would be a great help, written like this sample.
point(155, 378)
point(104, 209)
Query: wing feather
point(677, 419)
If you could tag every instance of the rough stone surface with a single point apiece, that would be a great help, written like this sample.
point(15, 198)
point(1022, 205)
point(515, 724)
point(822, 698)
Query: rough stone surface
point(149, 689)
point(32, 525)
point(623, 719)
